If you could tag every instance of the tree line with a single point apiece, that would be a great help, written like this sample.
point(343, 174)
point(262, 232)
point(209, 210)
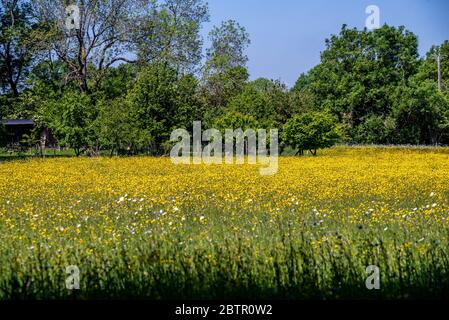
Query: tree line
point(133, 71)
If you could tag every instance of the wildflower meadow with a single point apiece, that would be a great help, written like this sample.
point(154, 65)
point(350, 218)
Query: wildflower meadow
point(145, 228)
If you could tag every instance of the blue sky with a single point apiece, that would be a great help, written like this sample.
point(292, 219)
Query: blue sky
point(288, 35)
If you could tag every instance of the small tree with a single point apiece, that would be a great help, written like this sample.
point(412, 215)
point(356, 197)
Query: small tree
point(234, 120)
point(117, 128)
point(225, 73)
point(163, 100)
point(73, 121)
point(311, 131)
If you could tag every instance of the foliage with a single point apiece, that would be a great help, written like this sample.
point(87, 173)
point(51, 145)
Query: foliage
point(428, 69)
point(360, 71)
point(20, 41)
point(422, 114)
point(170, 32)
point(236, 120)
point(311, 131)
point(229, 41)
point(163, 100)
point(111, 31)
point(255, 104)
point(375, 130)
point(139, 75)
point(219, 88)
point(73, 121)
point(118, 129)
point(224, 73)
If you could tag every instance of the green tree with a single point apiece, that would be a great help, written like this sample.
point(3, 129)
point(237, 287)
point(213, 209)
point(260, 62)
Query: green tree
point(376, 129)
point(219, 88)
point(72, 121)
point(311, 131)
point(421, 114)
point(421, 111)
point(225, 74)
point(171, 33)
point(360, 71)
point(117, 82)
point(428, 69)
point(163, 101)
point(228, 44)
point(20, 41)
point(122, 31)
point(189, 107)
point(254, 103)
point(118, 129)
point(278, 98)
point(235, 120)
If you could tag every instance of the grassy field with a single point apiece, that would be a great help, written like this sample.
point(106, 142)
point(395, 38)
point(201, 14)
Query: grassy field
point(145, 228)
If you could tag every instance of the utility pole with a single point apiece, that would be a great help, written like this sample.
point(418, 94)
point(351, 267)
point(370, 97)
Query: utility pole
point(439, 70)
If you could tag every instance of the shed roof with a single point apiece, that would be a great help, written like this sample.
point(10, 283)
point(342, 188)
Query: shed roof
point(19, 122)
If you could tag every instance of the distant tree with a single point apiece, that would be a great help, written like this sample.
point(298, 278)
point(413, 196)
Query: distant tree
point(302, 101)
point(229, 42)
point(225, 73)
point(72, 121)
point(118, 129)
point(235, 120)
point(302, 84)
point(117, 82)
point(254, 103)
point(163, 100)
point(102, 38)
point(421, 114)
point(49, 73)
point(277, 95)
point(189, 107)
point(301, 98)
point(219, 88)
point(376, 130)
point(360, 71)
point(311, 131)
point(20, 41)
point(171, 33)
point(45, 85)
point(428, 69)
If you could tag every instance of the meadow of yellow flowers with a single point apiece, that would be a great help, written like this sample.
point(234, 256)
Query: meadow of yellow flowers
point(145, 228)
